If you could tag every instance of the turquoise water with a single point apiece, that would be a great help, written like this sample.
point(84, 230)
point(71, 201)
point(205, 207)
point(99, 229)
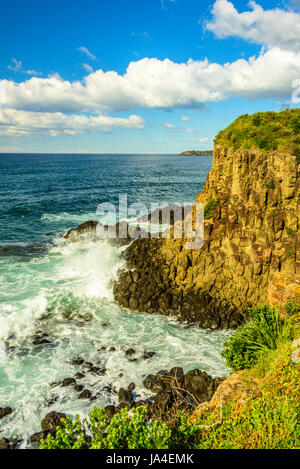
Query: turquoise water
point(65, 290)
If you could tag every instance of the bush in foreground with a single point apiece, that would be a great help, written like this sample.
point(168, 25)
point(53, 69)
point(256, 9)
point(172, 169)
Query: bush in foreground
point(265, 330)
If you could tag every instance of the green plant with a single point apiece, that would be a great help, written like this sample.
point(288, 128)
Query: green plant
point(209, 208)
point(126, 430)
point(289, 231)
point(271, 185)
point(264, 131)
point(292, 307)
point(265, 329)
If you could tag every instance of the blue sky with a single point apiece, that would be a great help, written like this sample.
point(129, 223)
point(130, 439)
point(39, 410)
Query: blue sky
point(116, 76)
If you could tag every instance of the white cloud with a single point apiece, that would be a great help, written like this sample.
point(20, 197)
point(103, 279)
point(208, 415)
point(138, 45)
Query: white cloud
point(11, 149)
point(86, 52)
point(273, 28)
point(152, 83)
point(17, 66)
point(23, 123)
point(203, 139)
point(144, 34)
point(87, 68)
point(169, 126)
point(185, 119)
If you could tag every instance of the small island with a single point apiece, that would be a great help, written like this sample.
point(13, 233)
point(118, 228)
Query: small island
point(197, 153)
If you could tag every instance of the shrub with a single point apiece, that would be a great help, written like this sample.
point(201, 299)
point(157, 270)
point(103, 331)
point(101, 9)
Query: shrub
point(209, 208)
point(289, 231)
point(292, 307)
point(126, 430)
point(265, 329)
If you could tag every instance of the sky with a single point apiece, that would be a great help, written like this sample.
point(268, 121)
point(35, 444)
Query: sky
point(141, 76)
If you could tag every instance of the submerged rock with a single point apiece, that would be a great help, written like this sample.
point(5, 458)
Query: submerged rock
point(86, 394)
point(5, 444)
point(68, 381)
point(4, 411)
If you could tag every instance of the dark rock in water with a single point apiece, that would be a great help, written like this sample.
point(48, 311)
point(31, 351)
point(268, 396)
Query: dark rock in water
point(51, 401)
point(52, 421)
point(147, 355)
point(199, 384)
point(132, 360)
point(108, 389)
point(55, 384)
point(37, 437)
point(79, 375)
point(86, 394)
point(88, 364)
point(68, 382)
point(124, 395)
point(4, 411)
point(96, 370)
point(77, 361)
point(86, 230)
point(153, 384)
point(5, 444)
point(112, 349)
point(131, 387)
point(110, 411)
point(130, 352)
point(40, 338)
point(78, 387)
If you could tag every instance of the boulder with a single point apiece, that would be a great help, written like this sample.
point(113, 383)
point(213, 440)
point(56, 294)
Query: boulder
point(199, 384)
point(51, 421)
point(153, 384)
point(4, 411)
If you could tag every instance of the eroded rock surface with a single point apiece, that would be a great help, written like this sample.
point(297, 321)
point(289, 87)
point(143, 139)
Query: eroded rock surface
point(251, 246)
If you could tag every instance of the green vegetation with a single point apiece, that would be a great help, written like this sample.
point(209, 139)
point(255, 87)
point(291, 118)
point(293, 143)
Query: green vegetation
point(266, 131)
point(264, 414)
point(263, 332)
point(271, 185)
point(209, 208)
point(197, 153)
point(126, 430)
point(289, 231)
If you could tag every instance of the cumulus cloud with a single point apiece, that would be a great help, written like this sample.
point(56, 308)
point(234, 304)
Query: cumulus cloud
point(58, 106)
point(22, 123)
point(273, 28)
point(86, 52)
point(185, 119)
point(153, 83)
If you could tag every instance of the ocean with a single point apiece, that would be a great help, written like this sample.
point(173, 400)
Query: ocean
point(50, 286)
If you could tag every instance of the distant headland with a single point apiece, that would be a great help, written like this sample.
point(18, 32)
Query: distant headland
point(197, 153)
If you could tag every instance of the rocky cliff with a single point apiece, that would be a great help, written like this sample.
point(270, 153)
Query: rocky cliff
point(251, 251)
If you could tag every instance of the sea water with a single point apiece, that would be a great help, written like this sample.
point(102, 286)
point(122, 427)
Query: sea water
point(64, 289)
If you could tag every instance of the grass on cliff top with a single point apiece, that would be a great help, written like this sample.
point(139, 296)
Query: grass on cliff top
point(264, 131)
point(269, 417)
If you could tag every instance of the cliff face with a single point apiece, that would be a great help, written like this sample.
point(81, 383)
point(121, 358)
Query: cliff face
point(251, 251)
